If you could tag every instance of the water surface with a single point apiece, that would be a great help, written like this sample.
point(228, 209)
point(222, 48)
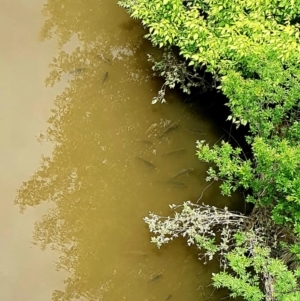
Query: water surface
point(110, 164)
point(26, 273)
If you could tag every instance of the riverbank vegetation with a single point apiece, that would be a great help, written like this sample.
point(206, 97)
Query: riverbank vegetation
point(251, 51)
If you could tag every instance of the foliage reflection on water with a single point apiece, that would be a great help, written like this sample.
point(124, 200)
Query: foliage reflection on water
point(98, 190)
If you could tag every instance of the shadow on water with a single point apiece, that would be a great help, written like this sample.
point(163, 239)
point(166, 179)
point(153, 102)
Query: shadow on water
point(99, 190)
point(214, 105)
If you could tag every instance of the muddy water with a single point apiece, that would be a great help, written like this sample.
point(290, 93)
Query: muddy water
point(26, 273)
point(111, 163)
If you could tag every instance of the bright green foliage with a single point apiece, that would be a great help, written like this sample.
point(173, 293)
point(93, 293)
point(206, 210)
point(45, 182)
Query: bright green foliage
point(234, 171)
point(220, 33)
point(252, 47)
point(278, 179)
point(265, 94)
point(250, 262)
point(273, 176)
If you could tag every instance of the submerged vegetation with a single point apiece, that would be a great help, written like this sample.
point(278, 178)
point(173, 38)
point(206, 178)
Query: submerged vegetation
point(251, 50)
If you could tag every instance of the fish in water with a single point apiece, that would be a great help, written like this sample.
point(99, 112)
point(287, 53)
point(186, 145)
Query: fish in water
point(183, 172)
point(169, 297)
point(195, 131)
point(156, 277)
point(105, 76)
point(146, 142)
point(151, 128)
point(107, 60)
point(147, 163)
point(171, 127)
point(177, 184)
point(177, 151)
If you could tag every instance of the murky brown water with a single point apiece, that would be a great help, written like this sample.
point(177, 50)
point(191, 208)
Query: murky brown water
point(98, 183)
point(26, 273)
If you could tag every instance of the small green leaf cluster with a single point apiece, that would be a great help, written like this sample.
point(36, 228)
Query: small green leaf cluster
point(265, 95)
point(249, 262)
point(277, 180)
point(232, 170)
point(162, 17)
point(273, 175)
